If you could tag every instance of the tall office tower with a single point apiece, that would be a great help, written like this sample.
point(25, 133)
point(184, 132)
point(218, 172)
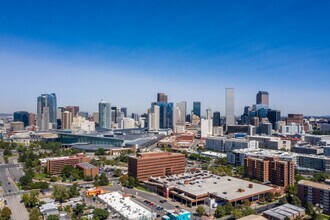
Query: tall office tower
point(96, 117)
point(165, 114)
point(105, 114)
point(208, 113)
point(60, 110)
point(197, 108)
point(73, 109)
point(46, 111)
point(32, 119)
point(216, 119)
point(161, 97)
point(183, 110)
point(124, 110)
point(83, 114)
point(273, 117)
point(23, 117)
point(153, 118)
point(135, 116)
point(247, 109)
point(209, 120)
point(66, 120)
point(262, 98)
point(230, 116)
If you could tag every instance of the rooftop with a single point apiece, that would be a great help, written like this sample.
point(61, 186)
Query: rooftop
point(125, 206)
point(283, 211)
point(86, 165)
point(314, 184)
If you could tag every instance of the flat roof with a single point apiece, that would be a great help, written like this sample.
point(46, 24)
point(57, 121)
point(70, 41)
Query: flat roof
point(155, 154)
point(314, 184)
point(283, 211)
point(253, 217)
point(224, 187)
point(86, 165)
point(125, 206)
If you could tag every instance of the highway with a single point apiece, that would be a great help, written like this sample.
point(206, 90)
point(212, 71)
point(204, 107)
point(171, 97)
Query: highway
point(8, 174)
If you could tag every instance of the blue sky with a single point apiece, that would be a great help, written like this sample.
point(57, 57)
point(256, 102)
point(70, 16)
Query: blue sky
point(127, 51)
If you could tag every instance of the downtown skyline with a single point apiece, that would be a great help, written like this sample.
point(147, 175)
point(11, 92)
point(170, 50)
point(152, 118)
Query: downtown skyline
point(191, 56)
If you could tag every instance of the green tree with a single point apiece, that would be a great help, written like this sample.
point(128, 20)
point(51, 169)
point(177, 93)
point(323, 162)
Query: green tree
point(30, 200)
point(96, 180)
point(220, 212)
point(25, 181)
point(29, 172)
point(237, 213)
point(100, 151)
point(270, 197)
point(247, 211)
point(310, 208)
point(100, 214)
point(5, 213)
point(132, 182)
point(229, 208)
point(283, 200)
point(60, 193)
point(35, 214)
point(246, 202)
point(53, 217)
point(73, 191)
point(200, 210)
point(103, 180)
point(53, 179)
point(117, 173)
point(67, 171)
point(277, 195)
point(79, 209)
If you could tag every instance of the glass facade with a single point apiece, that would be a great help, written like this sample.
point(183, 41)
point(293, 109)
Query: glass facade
point(22, 116)
point(47, 111)
point(197, 108)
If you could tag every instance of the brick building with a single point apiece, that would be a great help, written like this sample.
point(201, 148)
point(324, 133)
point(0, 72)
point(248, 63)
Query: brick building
point(144, 165)
point(295, 118)
point(271, 170)
point(89, 169)
point(316, 193)
point(55, 165)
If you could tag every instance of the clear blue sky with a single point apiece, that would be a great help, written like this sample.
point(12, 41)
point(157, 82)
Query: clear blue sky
point(127, 51)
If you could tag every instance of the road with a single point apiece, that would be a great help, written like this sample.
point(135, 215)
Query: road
point(8, 176)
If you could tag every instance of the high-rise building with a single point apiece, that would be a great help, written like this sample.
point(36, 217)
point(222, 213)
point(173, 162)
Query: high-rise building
point(165, 114)
point(295, 118)
point(124, 110)
point(155, 164)
point(265, 128)
point(67, 120)
point(273, 117)
point(46, 111)
point(96, 117)
point(230, 115)
point(183, 110)
point(216, 119)
point(105, 114)
point(161, 97)
point(262, 98)
point(272, 169)
point(23, 117)
point(153, 118)
point(73, 109)
point(197, 108)
point(32, 119)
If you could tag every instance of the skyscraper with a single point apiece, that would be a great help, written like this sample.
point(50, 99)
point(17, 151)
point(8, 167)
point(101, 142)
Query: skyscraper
point(161, 97)
point(22, 116)
point(230, 116)
point(46, 111)
point(153, 118)
point(73, 109)
point(183, 111)
point(262, 98)
point(124, 110)
point(273, 117)
point(165, 114)
point(216, 119)
point(197, 108)
point(66, 119)
point(105, 114)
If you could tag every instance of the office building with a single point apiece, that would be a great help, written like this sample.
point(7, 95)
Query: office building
point(73, 109)
point(216, 119)
point(273, 117)
point(154, 118)
point(16, 126)
point(156, 164)
point(262, 98)
point(88, 169)
point(55, 165)
point(230, 114)
point(32, 119)
point(292, 128)
point(271, 170)
point(66, 120)
point(165, 114)
point(96, 117)
point(124, 110)
point(46, 111)
point(206, 128)
point(304, 148)
point(105, 114)
point(295, 118)
point(82, 124)
point(265, 129)
point(183, 110)
point(283, 212)
point(223, 144)
point(161, 97)
point(315, 193)
point(83, 114)
point(197, 108)
point(22, 116)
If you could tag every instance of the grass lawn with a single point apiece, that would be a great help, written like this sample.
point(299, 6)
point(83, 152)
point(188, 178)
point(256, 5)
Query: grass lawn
point(142, 189)
point(39, 176)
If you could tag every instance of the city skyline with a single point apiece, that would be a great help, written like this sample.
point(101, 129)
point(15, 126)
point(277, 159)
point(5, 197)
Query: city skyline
point(191, 56)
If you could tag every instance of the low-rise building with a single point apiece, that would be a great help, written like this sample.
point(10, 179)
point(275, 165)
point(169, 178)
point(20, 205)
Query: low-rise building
point(226, 145)
point(177, 215)
point(88, 169)
point(284, 212)
point(55, 165)
point(49, 209)
point(305, 148)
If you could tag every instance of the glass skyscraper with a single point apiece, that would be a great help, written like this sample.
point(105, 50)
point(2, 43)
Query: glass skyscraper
point(22, 116)
point(46, 111)
point(197, 108)
point(165, 114)
point(105, 114)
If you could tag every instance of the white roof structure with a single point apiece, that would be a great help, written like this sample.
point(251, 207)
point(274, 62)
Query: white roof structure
point(125, 206)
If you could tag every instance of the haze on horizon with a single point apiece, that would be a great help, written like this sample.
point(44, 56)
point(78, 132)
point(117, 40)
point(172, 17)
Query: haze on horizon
point(127, 51)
